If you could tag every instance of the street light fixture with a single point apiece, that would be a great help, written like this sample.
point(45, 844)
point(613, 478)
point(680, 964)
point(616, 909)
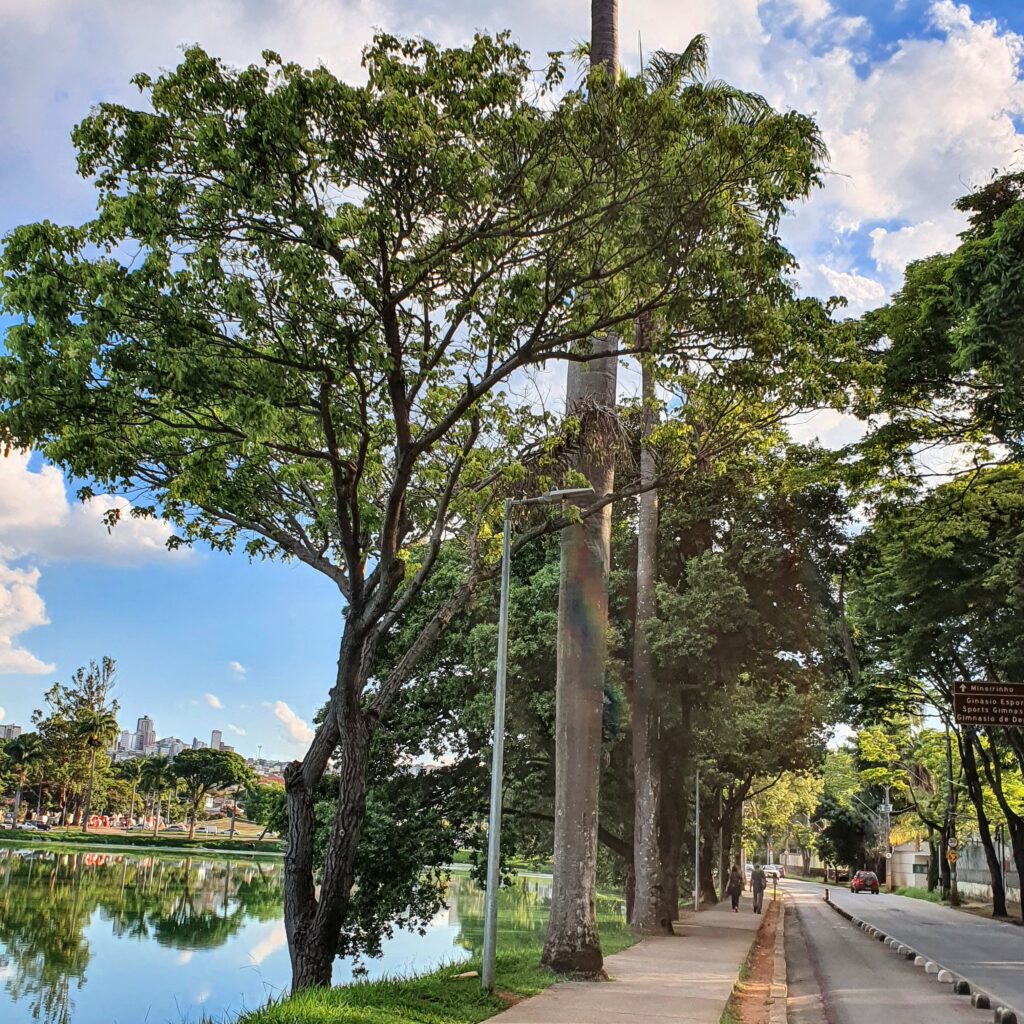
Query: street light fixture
point(498, 754)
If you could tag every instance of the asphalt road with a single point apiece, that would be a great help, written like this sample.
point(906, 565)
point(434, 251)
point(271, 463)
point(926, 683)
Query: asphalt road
point(859, 977)
point(838, 975)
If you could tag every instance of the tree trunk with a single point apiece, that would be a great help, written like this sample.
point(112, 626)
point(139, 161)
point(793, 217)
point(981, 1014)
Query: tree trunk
point(707, 878)
point(313, 923)
point(17, 805)
point(192, 823)
point(88, 792)
point(974, 788)
point(156, 813)
point(1014, 823)
point(604, 35)
point(572, 945)
point(131, 806)
point(648, 906)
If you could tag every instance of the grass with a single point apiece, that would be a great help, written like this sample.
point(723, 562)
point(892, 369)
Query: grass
point(75, 837)
point(920, 894)
point(435, 998)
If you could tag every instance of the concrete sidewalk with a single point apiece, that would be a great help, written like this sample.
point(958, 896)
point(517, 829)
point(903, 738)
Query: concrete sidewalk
point(687, 977)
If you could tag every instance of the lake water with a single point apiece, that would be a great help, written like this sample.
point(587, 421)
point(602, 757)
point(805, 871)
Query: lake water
point(113, 938)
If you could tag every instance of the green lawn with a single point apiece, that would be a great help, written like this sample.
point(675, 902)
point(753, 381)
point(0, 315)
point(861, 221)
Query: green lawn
point(435, 998)
point(177, 840)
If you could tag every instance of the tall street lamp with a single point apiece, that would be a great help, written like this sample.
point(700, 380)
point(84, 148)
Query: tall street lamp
point(498, 755)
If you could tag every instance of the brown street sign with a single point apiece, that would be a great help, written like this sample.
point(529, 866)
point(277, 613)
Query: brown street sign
point(989, 704)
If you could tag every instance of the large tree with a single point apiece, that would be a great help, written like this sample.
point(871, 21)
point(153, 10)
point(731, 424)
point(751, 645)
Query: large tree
point(292, 324)
point(98, 729)
point(200, 771)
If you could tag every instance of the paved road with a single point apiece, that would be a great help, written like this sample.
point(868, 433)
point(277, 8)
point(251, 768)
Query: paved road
point(838, 975)
point(988, 953)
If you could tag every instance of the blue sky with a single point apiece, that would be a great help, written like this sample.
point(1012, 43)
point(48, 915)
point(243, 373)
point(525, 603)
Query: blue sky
point(918, 100)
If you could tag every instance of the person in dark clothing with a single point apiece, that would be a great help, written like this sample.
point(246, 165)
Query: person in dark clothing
point(735, 887)
point(758, 884)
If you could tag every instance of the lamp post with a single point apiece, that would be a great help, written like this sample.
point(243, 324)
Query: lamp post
point(498, 753)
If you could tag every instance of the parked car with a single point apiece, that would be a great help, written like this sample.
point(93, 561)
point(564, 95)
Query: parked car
point(175, 828)
point(864, 881)
point(29, 826)
point(141, 828)
point(774, 870)
point(209, 830)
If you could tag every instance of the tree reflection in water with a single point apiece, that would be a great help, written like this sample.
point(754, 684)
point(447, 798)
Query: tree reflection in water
point(48, 899)
point(51, 904)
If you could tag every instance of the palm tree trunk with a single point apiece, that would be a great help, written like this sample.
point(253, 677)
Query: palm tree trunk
point(131, 806)
point(156, 813)
point(17, 804)
point(604, 35)
point(88, 791)
point(572, 945)
point(648, 901)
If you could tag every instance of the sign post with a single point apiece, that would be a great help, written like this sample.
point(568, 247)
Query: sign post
point(988, 704)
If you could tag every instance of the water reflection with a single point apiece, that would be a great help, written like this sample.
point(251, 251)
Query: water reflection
point(95, 938)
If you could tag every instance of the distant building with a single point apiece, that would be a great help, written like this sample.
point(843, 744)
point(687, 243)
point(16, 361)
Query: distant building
point(197, 744)
point(170, 747)
point(215, 737)
point(145, 734)
point(227, 747)
point(10, 732)
point(126, 741)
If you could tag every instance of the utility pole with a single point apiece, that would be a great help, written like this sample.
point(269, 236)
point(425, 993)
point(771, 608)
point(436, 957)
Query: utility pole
point(696, 843)
point(951, 841)
point(887, 807)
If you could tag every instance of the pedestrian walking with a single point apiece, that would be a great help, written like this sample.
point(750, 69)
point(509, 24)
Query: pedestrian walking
point(735, 887)
point(758, 884)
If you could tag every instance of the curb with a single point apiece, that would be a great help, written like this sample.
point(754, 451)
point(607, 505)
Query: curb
point(778, 1001)
point(980, 999)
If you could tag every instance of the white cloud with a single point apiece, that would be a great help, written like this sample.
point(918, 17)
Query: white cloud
point(861, 292)
point(21, 609)
point(237, 667)
point(296, 730)
point(236, 729)
point(38, 521)
point(213, 700)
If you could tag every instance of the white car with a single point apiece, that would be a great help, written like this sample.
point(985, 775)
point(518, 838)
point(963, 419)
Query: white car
point(209, 830)
point(28, 826)
point(774, 871)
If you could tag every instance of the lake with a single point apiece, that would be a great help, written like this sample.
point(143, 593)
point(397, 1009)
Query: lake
point(112, 938)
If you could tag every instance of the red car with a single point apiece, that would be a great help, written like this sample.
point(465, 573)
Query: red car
point(864, 881)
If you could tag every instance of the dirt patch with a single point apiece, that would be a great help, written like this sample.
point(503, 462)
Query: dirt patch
point(752, 999)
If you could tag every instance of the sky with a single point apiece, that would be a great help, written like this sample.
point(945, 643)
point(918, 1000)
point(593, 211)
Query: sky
point(918, 100)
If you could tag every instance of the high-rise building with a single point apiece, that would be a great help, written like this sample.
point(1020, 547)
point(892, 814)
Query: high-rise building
point(10, 732)
point(126, 740)
point(215, 738)
point(197, 743)
point(145, 733)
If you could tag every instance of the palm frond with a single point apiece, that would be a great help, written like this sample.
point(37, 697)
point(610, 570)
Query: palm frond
point(668, 70)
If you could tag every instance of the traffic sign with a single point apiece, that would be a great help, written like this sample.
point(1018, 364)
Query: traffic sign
point(989, 704)
point(951, 842)
point(952, 856)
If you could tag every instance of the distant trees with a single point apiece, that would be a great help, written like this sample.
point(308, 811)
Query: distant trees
point(24, 754)
point(97, 729)
point(200, 771)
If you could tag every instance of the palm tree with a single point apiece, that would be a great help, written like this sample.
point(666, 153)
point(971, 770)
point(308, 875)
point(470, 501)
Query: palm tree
point(98, 728)
point(132, 771)
point(572, 945)
point(25, 753)
point(157, 776)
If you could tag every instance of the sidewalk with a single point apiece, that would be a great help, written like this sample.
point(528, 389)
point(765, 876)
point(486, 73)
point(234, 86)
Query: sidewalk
point(688, 977)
